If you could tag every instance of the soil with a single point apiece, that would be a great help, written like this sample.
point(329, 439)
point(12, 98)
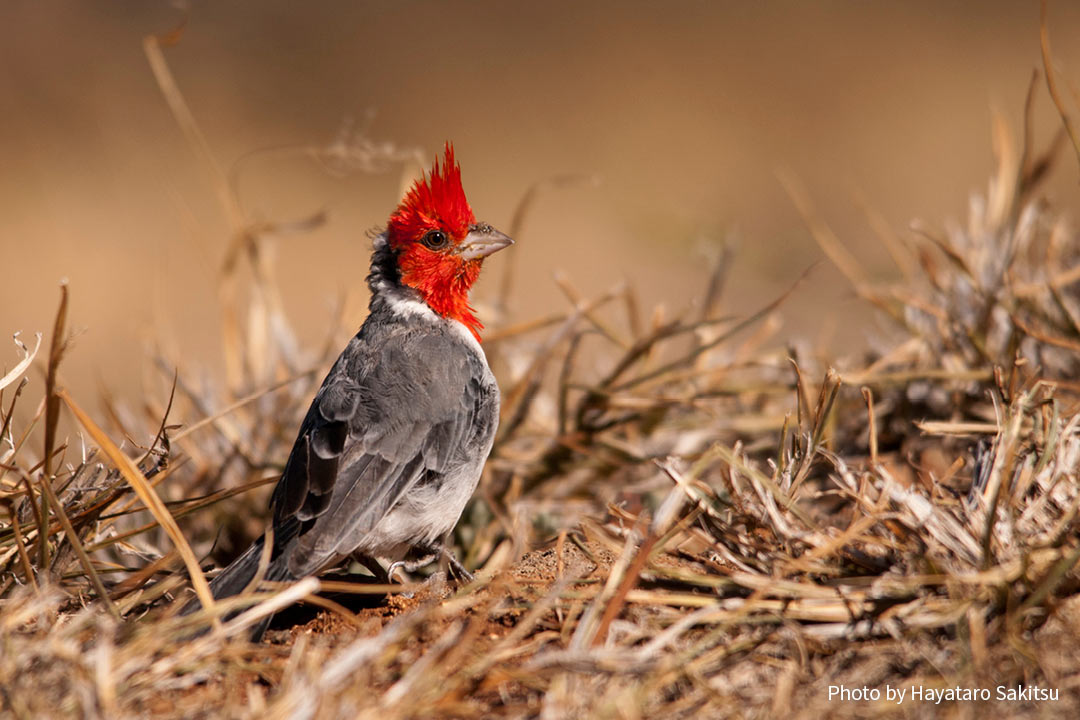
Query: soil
point(499, 606)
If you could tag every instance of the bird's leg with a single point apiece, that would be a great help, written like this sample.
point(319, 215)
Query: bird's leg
point(429, 556)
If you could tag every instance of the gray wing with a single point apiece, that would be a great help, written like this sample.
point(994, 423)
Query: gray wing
point(385, 418)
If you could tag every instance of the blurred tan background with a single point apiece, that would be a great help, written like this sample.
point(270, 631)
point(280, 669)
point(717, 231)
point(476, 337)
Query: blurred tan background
point(684, 111)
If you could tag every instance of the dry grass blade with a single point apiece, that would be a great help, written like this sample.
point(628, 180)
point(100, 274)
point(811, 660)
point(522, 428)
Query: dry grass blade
point(20, 545)
point(20, 367)
point(1051, 82)
point(76, 544)
point(148, 496)
point(624, 588)
point(52, 414)
point(152, 46)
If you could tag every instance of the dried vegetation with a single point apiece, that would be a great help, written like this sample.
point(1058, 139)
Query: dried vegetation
point(678, 519)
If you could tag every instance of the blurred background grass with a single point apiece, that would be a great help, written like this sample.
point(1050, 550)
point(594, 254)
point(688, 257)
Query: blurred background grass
point(684, 111)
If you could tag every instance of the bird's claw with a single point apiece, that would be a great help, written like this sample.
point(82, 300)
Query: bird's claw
point(394, 567)
point(457, 567)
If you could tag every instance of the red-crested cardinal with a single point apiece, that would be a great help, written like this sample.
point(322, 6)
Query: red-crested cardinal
point(395, 440)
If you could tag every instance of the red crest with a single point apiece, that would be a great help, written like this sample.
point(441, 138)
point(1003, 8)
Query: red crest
point(436, 201)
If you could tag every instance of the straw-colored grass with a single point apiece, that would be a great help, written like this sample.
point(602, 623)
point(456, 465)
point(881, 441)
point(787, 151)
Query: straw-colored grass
point(678, 519)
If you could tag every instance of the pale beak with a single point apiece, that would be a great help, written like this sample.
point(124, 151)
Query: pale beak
point(481, 241)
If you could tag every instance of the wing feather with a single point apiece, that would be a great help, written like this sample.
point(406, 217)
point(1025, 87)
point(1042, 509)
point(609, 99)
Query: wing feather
point(392, 410)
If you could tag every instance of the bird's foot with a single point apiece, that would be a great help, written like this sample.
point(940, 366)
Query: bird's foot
point(456, 567)
point(411, 566)
point(391, 572)
point(457, 570)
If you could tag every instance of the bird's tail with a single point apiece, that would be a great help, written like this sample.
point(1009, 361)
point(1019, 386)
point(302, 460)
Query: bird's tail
point(239, 575)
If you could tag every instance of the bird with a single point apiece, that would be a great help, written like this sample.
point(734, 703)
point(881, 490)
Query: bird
point(395, 440)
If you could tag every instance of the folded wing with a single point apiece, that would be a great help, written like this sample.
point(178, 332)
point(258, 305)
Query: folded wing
point(388, 415)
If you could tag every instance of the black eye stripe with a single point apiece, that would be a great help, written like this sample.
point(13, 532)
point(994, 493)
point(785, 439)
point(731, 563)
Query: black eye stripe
point(435, 239)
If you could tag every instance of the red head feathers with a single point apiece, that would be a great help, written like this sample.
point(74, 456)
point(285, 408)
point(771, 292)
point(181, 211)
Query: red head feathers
point(438, 202)
point(427, 231)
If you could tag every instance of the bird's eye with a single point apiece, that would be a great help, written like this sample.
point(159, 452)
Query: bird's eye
point(435, 239)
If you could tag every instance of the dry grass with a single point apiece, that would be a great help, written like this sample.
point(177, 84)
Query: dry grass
point(678, 519)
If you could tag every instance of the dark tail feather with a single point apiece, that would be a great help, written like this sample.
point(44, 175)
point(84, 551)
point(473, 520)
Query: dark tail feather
point(234, 579)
